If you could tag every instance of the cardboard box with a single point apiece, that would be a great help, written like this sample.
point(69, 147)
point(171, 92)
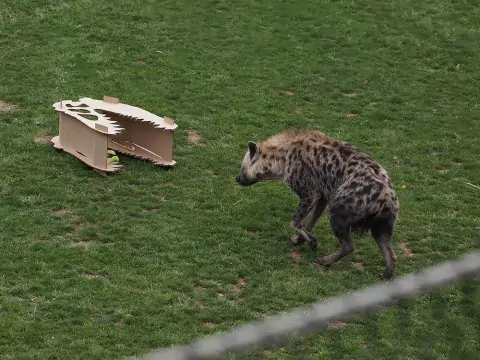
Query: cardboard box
point(89, 127)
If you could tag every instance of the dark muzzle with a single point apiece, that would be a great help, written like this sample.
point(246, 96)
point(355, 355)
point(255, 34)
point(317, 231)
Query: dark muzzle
point(243, 180)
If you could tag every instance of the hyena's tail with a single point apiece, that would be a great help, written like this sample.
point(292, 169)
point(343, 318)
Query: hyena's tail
point(363, 226)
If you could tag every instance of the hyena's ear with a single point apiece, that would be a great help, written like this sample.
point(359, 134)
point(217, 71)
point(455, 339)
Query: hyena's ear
point(253, 150)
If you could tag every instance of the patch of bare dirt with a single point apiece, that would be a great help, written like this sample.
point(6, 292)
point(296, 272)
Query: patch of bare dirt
point(289, 92)
point(94, 276)
point(201, 306)
point(352, 94)
point(61, 212)
point(270, 353)
point(83, 244)
point(122, 321)
point(212, 173)
point(193, 137)
point(442, 171)
point(211, 324)
point(43, 139)
point(296, 255)
point(405, 249)
point(4, 106)
point(350, 114)
point(78, 228)
point(238, 287)
point(359, 266)
point(337, 324)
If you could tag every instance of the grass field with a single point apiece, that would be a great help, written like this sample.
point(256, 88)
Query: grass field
point(102, 268)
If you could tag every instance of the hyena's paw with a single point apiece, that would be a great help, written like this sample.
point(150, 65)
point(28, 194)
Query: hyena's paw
point(324, 261)
point(297, 240)
point(387, 276)
point(303, 236)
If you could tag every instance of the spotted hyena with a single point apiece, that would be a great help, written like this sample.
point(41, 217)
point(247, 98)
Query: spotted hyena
point(328, 173)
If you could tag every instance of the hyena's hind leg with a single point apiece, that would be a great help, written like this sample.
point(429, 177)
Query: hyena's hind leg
point(305, 207)
point(382, 231)
point(311, 219)
point(341, 229)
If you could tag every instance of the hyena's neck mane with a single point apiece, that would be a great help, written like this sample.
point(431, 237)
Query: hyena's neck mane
point(275, 151)
point(289, 138)
point(272, 158)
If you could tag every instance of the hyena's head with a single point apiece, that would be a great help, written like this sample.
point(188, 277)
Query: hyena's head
point(256, 167)
point(251, 168)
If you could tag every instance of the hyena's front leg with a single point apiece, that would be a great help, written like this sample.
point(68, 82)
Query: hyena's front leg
point(305, 206)
point(310, 220)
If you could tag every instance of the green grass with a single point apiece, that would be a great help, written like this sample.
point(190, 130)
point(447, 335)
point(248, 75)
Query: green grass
point(232, 71)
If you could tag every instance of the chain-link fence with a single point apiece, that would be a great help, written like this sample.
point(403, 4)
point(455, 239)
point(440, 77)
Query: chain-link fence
point(432, 314)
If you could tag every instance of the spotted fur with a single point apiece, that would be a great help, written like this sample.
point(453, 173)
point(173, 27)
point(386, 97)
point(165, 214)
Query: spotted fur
point(327, 173)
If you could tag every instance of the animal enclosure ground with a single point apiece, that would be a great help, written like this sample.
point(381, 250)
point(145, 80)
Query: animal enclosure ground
point(102, 268)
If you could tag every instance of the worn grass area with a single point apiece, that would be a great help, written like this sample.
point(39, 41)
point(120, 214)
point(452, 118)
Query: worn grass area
point(101, 268)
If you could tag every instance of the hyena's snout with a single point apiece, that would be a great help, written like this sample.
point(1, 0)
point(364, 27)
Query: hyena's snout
point(243, 180)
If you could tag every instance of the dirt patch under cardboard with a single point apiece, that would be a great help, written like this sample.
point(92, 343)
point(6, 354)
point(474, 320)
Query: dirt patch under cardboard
point(43, 139)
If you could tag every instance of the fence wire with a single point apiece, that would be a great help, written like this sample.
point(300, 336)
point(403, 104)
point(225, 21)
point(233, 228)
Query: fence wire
point(316, 317)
